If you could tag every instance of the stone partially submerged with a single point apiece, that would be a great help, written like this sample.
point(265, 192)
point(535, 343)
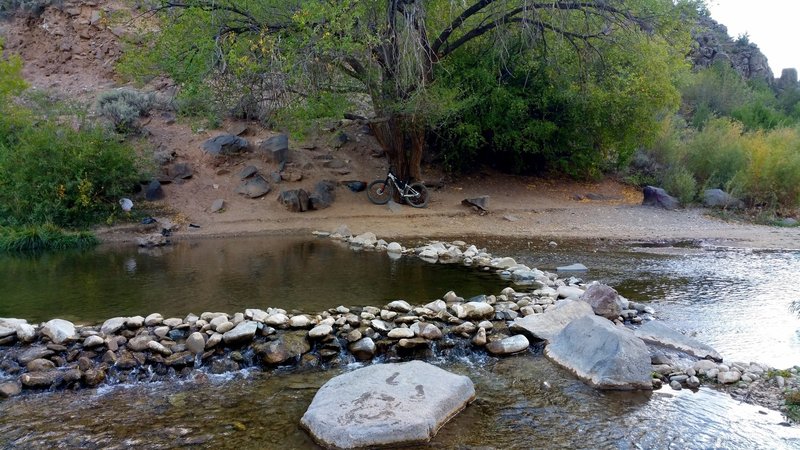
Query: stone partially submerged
point(658, 333)
point(548, 325)
point(602, 355)
point(386, 405)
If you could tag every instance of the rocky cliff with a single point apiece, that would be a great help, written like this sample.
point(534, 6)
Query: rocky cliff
point(714, 44)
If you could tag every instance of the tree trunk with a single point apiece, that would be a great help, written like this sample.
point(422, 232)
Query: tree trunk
point(403, 141)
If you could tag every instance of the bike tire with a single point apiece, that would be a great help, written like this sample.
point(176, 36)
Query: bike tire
point(379, 192)
point(420, 200)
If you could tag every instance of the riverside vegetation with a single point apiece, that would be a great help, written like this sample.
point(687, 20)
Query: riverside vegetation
point(59, 171)
point(594, 89)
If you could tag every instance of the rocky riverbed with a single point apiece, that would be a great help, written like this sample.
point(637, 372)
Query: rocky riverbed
point(58, 354)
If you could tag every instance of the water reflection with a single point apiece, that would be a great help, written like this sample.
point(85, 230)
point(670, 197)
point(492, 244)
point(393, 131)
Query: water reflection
point(221, 275)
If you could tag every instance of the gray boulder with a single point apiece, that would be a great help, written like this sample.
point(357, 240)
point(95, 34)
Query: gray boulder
point(604, 301)
point(363, 349)
point(276, 148)
point(34, 352)
point(547, 325)
point(225, 144)
point(243, 332)
point(657, 333)
point(153, 191)
point(323, 195)
point(218, 205)
point(59, 330)
point(7, 331)
point(295, 200)
point(480, 203)
point(386, 405)
point(654, 196)
point(112, 325)
point(10, 389)
point(25, 332)
point(507, 346)
point(290, 347)
point(602, 355)
point(196, 343)
point(717, 198)
point(181, 171)
point(247, 172)
point(254, 187)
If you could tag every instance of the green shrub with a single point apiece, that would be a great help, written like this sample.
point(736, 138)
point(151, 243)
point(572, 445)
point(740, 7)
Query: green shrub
point(43, 237)
point(716, 154)
point(679, 182)
point(716, 89)
point(50, 173)
point(123, 107)
point(11, 82)
point(792, 401)
point(772, 177)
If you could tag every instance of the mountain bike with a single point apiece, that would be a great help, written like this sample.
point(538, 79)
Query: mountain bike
point(381, 191)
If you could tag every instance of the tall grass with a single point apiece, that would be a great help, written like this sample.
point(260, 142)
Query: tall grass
point(43, 237)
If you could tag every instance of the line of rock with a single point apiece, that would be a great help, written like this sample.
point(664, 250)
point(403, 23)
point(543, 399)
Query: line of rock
point(577, 322)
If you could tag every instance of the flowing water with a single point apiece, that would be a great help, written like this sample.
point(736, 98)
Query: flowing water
point(738, 301)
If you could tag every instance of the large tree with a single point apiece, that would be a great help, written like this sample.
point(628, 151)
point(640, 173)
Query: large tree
point(390, 50)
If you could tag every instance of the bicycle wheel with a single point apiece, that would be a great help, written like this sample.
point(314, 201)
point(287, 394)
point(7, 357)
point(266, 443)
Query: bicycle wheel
point(419, 195)
point(379, 192)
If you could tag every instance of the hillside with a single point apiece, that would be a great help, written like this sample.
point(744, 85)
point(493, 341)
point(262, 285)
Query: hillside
point(70, 51)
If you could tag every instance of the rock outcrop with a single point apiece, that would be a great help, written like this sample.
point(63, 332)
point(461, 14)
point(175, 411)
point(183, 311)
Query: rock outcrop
point(715, 45)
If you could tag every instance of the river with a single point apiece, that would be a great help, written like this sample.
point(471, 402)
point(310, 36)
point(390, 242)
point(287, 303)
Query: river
point(735, 300)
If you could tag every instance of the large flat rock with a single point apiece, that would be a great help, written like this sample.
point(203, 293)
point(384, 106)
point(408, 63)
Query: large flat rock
point(547, 325)
point(658, 333)
point(386, 405)
point(602, 355)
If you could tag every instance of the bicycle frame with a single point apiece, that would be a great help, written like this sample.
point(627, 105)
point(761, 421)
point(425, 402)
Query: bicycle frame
point(402, 187)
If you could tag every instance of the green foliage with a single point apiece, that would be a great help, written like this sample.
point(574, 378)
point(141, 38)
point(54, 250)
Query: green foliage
point(716, 154)
point(50, 173)
point(772, 178)
point(43, 237)
point(772, 373)
point(123, 107)
point(11, 82)
point(762, 167)
point(679, 182)
point(69, 176)
point(719, 89)
point(792, 401)
point(565, 113)
point(230, 72)
point(303, 117)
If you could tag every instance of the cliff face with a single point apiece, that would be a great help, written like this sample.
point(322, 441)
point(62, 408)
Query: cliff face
point(714, 44)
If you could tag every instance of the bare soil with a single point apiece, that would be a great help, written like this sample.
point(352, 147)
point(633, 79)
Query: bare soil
point(71, 51)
